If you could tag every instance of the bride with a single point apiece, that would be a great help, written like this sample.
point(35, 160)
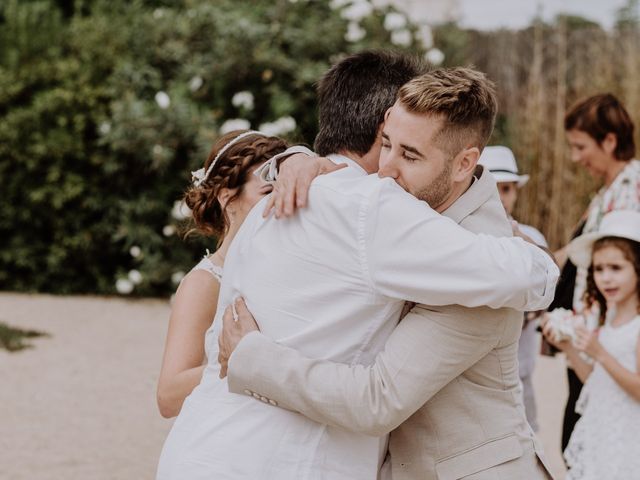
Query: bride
point(219, 198)
point(221, 435)
point(218, 434)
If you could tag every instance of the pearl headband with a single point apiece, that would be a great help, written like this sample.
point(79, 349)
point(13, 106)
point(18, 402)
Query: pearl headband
point(200, 175)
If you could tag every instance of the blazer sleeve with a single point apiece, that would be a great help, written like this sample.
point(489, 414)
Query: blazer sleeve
point(426, 351)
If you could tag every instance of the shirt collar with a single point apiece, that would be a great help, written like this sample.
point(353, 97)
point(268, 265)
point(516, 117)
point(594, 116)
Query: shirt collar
point(480, 191)
point(337, 158)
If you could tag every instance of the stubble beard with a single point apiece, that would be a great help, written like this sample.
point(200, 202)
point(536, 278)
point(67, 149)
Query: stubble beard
point(439, 189)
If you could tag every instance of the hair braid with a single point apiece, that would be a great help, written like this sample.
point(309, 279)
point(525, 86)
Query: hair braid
point(231, 171)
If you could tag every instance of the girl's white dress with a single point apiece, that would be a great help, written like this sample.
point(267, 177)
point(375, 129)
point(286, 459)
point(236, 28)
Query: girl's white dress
point(208, 266)
point(604, 443)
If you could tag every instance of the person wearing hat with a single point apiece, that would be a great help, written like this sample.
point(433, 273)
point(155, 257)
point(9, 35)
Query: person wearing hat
point(501, 162)
point(600, 135)
point(603, 443)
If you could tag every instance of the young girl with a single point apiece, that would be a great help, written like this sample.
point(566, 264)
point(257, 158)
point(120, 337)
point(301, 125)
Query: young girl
point(221, 196)
point(604, 443)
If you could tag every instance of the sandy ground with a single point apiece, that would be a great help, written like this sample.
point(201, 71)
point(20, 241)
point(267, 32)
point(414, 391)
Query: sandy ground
point(81, 403)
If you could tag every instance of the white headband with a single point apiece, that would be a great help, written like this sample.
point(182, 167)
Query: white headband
point(200, 175)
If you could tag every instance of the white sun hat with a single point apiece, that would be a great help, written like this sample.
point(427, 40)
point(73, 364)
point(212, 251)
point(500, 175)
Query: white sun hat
point(502, 164)
point(619, 223)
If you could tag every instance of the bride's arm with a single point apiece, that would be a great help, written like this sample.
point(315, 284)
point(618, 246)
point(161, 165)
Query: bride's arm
point(192, 312)
point(293, 178)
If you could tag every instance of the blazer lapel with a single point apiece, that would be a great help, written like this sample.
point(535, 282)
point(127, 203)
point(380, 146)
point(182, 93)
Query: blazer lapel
point(480, 192)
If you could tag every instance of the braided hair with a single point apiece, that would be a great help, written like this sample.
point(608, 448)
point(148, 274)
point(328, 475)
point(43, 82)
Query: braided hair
point(230, 171)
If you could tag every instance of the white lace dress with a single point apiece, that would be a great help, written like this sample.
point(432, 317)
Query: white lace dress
point(604, 443)
point(207, 265)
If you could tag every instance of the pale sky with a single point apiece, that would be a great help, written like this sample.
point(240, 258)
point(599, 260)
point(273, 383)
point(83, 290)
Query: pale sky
point(491, 14)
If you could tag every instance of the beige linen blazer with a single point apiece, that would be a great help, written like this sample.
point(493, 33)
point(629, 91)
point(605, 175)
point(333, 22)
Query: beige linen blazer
point(446, 385)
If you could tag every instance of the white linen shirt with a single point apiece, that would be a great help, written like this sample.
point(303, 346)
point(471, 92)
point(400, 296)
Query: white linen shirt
point(331, 282)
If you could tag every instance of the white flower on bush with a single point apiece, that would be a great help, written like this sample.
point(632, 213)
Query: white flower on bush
point(401, 38)
point(279, 127)
point(135, 277)
point(243, 99)
point(354, 32)
point(357, 11)
point(168, 230)
point(269, 128)
point(288, 124)
point(124, 286)
point(177, 277)
point(104, 128)
point(158, 151)
point(434, 56)
point(135, 251)
point(163, 100)
point(158, 13)
point(234, 124)
point(180, 211)
point(195, 83)
point(425, 34)
point(394, 21)
point(336, 4)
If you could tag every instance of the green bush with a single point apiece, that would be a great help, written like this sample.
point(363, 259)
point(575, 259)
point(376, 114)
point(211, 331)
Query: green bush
point(106, 107)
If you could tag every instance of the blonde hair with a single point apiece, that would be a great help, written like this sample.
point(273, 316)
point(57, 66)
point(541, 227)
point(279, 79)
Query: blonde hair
point(463, 97)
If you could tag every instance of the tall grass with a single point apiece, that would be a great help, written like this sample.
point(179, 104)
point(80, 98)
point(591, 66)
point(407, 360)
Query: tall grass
point(540, 72)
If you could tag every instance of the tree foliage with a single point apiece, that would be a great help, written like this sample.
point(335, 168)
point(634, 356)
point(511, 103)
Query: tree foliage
point(106, 107)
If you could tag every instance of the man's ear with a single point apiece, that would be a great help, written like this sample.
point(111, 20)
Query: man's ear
point(466, 162)
point(609, 143)
point(386, 114)
point(224, 195)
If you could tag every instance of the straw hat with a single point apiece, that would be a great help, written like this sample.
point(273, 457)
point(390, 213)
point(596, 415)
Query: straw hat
point(502, 164)
point(619, 223)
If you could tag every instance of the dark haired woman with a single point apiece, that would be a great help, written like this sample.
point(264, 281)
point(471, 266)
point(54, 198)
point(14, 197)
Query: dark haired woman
point(600, 135)
point(221, 196)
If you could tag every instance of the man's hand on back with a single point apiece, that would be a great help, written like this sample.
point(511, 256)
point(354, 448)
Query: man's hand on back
point(235, 325)
point(518, 233)
point(291, 189)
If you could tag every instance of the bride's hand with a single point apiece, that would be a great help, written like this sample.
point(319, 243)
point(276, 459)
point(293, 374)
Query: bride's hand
point(236, 323)
point(291, 189)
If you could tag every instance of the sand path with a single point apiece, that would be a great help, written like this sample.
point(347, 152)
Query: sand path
point(81, 403)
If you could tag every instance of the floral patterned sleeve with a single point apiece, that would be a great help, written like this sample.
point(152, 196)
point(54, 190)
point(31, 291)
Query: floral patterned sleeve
point(622, 194)
point(627, 195)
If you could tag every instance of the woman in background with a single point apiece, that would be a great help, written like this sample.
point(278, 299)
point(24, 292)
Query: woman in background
point(600, 135)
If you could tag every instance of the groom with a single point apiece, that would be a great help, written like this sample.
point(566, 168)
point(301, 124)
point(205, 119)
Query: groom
point(346, 281)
